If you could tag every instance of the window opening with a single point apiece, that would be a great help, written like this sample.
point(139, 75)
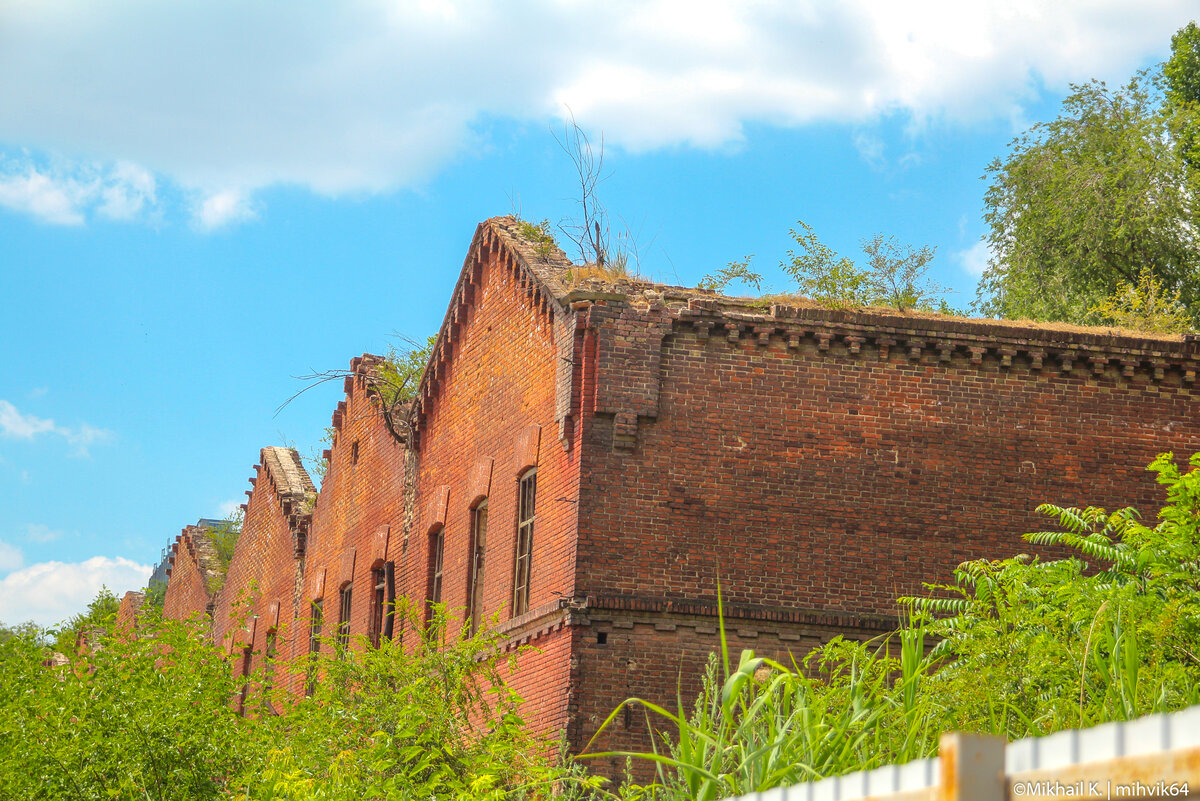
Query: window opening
point(343, 628)
point(526, 494)
point(479, 516)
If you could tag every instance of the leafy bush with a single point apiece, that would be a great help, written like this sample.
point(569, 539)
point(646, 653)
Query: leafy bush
point(388, 722)
point(137, 718)
point(155, 717)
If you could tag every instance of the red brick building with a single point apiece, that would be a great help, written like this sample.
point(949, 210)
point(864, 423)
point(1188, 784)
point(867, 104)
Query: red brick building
point(585, 459)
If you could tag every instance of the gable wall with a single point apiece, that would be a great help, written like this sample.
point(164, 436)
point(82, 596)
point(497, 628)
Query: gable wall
point(359, 502)
point(258, 593)
point(187, 593)
point(494, 414)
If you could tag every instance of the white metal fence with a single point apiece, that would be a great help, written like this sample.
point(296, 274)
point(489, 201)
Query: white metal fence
point(1154, 757)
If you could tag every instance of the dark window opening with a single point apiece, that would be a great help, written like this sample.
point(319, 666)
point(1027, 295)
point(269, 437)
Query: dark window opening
point(437, 543)
point(479, 517)
point(379, 604)
point(343, 627)
point(354, 452)
point(601, 637)
point(246, 664)
point(269, 650)
point(314, 644)
point(527, 496)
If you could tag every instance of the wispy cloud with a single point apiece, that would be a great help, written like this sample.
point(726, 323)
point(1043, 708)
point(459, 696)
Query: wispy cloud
point(870, 150)
point(975, 258)
point(50, 592)
point(229, 508)
point(67, 193)
point(15, 424)
point(36, 532)
point(219, 209)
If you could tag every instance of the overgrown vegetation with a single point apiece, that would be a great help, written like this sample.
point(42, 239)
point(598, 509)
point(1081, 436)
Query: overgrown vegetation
point(224, 537)
point(154, 717)
point(1015, 647)
point(893, 275)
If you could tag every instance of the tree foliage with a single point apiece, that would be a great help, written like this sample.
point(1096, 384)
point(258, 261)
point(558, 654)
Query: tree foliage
point(1096, 196)
point(894, 275)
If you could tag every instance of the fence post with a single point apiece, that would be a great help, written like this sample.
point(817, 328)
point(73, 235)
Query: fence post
point(971, 768)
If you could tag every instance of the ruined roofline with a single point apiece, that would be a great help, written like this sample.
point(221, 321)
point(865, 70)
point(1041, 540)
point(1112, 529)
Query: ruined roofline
point(295, 494)
point(544, 273)
point(197, 542)
point(539, 267)
point(289, 480)
point(364, 371)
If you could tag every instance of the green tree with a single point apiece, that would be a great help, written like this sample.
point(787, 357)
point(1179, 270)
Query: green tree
point(1090, 199)
point(1181, 80)
point(894, 275)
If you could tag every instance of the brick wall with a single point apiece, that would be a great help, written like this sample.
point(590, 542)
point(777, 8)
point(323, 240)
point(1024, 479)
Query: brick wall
point(359, 517)
point(492, 415)
point(818, 463)
point(188, 578)
point(129, 609)
point(833, 463)
point(259, 598)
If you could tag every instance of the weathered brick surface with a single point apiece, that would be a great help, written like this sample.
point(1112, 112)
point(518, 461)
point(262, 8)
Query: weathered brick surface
point(817, 463)
point(359, 517)
point(490, 413)
point(259, 599)
point(190, 575)
point(128, 611)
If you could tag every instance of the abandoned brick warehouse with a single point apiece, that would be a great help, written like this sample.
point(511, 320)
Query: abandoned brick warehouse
point(587, 458)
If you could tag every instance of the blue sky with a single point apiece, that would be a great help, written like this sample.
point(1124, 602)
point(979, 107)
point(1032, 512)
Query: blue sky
point(201, 201)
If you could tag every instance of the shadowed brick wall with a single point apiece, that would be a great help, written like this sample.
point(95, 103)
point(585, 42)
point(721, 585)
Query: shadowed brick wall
point(829, 462)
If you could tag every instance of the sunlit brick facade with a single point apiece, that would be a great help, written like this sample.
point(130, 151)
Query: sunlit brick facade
point(817, 463)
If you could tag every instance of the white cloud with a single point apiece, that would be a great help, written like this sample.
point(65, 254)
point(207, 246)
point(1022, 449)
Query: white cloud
point(10, 558)
point(226, 97)
point(870, 149)
point(222, 208)
point(50, 592)
point(21, 426)
point(64, 193)
point(17, 425)
point(51, 200)
point(975, 258)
